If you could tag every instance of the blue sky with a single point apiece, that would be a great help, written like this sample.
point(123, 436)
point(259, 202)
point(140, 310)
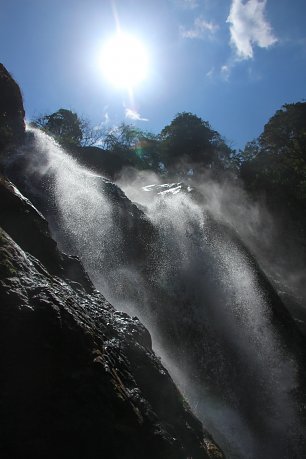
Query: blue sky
point(231, 62)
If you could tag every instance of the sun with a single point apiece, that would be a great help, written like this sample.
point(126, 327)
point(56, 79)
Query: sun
point(124, 61)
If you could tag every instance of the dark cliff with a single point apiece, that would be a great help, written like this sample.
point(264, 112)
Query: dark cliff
point(12, 113)
point(78, 378)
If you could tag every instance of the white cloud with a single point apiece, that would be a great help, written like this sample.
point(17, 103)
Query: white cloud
point(134, 115)
point(249, 27)
point(200, 28)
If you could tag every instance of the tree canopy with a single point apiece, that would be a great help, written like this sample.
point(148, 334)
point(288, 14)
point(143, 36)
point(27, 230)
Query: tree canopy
point(69, 129)
point(189, 141)
point(275, 163)
point(63, 125)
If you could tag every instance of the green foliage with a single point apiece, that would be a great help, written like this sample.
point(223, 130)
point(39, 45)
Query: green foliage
point(276, 162)
point(63, 125)
point(122, 142)
point(69, 129)
point(187, 137)
point(148, 152)
point(135, 147)
point(188, 141)
point(124, 137)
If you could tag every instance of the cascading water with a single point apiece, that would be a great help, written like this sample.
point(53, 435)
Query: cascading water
point(195, 286)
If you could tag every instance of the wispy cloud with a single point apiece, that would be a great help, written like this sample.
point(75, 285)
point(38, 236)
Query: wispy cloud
point(226, 71)
point(134, 115)
point(249, 27)
point(106, 118)
point(210, 72)
point(105, 122)
point(200, 29)
point(188, 4)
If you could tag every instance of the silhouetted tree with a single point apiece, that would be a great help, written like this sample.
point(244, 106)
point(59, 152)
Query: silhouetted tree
point(189, 142)
point(276, 162)
point(135, 147)
point(69, 129)
point(149, 152)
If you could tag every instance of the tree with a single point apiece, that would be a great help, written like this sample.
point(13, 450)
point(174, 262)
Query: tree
point(189, 142)
point(148, 151)
point(123, 137)
point(63, 125)
point(69, 129)
point(136, 148)
point(92, 136)
point(275, 163)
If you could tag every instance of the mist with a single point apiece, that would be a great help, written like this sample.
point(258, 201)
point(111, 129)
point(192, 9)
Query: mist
point(190, 260)
point(268, 237)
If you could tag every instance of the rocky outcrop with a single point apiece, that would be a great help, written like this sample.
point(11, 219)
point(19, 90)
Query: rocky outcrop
point(12, 126)
point(29, 229)
point(78, 379)
point(187, 273)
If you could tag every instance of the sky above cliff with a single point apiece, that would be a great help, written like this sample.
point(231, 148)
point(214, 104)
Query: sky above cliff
point(231, 62)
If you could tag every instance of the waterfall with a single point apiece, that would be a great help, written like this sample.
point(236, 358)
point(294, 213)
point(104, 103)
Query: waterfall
point(192, 280)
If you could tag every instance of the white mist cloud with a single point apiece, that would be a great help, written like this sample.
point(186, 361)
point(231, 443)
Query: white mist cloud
point(200, 29)
point(249, 27)
point(134, 115)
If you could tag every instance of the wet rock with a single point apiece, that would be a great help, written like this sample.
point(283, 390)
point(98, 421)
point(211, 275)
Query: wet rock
point(77, 378)
point(30, 230)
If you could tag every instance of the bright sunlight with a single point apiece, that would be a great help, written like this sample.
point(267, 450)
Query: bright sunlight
point(124, 61)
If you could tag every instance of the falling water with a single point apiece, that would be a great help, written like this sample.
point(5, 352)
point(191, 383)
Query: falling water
point(194, 285)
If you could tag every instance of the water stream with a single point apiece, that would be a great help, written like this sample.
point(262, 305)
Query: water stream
point(176, 264)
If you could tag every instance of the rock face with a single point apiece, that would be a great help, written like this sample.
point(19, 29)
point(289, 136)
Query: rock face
point(17, 212)
point(187, 273)
point(216, 313)
point(12, 125)
point(195, 282)
point(77, 377)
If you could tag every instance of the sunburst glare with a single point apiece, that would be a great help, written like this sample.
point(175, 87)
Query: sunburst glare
point(124, 61)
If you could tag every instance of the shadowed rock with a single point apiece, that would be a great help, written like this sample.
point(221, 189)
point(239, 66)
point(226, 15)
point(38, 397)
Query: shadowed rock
point(77, 377)
point(12, 126)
